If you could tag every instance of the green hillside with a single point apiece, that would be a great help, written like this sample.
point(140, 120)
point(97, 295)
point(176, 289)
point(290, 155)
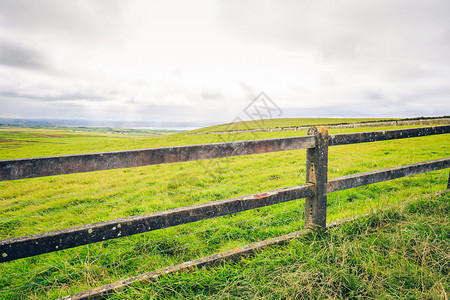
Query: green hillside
point(283, 123)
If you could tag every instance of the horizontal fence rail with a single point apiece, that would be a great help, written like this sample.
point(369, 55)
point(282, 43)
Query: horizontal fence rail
point(67, 164)
point(13, 169)
point(41, 243)
point(371, 177)
point(376, 136)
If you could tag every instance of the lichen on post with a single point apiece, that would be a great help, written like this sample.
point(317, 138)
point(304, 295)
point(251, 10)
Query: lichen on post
point(316, 173)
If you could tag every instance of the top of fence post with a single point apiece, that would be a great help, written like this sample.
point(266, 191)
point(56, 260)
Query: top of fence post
point(316, 173)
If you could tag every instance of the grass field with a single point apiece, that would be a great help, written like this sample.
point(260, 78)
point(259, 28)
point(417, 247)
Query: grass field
point(42, 204)
point(284, 122)
point(357, 260)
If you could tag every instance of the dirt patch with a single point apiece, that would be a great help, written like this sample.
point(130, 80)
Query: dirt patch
point(7, 140)
point(44, 135)
point(34, 134)
point(18, 141)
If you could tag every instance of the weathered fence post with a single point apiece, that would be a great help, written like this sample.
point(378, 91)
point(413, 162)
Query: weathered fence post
point(316, 173)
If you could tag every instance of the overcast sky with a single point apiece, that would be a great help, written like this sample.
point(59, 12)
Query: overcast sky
point(207, 60)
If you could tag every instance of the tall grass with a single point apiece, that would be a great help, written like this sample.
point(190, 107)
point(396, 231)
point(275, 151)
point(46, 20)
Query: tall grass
point(399, 253)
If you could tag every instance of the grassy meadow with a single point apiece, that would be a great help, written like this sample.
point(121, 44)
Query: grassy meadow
point(358, 260)
point(283, 123)
point(37, 205)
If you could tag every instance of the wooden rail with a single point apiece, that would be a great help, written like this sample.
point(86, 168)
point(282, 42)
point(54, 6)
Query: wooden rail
point(371, 177)
point(12, 169)
point(36, 244)
point(315, 190)
point(376, 136)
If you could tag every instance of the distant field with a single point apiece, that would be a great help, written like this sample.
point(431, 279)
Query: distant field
point(289, 123)
point(151, 132)
point(18, 142)
point(42, 204)
point(285, 122)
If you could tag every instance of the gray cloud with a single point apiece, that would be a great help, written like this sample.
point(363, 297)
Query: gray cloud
point(82, 19)
point(53, 98)
point(313, 58)
point(376, 103)
point(391, 56)
point(212, 94)
point(350, 31)
point(27, 108)
point(250, 92)
point(20, 56)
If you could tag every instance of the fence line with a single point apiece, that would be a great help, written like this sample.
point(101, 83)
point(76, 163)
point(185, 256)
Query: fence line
point(405, 122)
point(41, 243)
point(178, 247)
point(298, 216)
point(317, 186)
point(121, 250)
point(211, 260)
point(182, 191)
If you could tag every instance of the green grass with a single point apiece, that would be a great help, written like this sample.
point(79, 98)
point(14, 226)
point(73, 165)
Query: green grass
point(18, 142)
point(400, 253)
point(293, 122)
point(283, 123)
point(109, 130)
point(42, 204)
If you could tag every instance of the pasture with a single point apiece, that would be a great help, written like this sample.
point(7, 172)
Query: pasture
point(37, 205)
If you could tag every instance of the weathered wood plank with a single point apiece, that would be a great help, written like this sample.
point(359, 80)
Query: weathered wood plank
point(374, 136)
point(366, 178)
point(58, 165)
point(36, 244)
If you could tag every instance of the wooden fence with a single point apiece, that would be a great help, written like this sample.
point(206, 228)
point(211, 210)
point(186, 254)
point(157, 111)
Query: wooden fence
point(315, 190)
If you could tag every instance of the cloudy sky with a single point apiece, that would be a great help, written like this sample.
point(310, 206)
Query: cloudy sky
point(207, 60)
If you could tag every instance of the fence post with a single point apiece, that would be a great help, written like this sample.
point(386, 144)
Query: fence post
point(316, 173)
